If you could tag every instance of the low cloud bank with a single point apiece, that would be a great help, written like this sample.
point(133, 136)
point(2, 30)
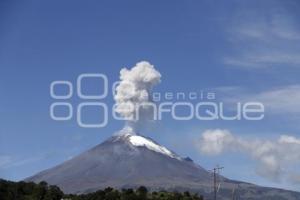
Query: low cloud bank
point(275, 159)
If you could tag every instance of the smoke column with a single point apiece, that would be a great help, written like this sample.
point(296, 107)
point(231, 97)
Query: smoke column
point(134, 92)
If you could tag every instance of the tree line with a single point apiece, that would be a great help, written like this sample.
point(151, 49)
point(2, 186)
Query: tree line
point(42, 191)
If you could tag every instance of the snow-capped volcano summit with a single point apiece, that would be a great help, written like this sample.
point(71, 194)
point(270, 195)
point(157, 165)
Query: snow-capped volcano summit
point(125, 160)
point(129, 161)
point(140, 141)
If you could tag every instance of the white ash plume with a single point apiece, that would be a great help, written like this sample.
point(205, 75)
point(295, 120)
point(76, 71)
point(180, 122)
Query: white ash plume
point(133, 95)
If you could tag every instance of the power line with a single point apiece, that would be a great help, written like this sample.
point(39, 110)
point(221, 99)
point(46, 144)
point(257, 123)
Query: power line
point(216, 183)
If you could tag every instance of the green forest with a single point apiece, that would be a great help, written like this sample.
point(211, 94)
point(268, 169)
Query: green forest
point(42, 191)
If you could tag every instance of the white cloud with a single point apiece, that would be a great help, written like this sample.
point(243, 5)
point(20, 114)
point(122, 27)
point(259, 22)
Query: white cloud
point(265, 26)
point(269, 38)
point(214, 142)
point(280, 100)
point(274, 157)
point(285, 139)
point(284, 26)
point(264, 59)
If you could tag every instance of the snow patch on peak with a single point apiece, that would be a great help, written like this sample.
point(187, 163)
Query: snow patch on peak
point(128, 135)
point(137, 140)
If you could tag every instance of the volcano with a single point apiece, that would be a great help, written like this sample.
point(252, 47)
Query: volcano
point(129, 161)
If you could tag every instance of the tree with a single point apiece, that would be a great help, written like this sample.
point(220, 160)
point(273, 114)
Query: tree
point(53, 193)
point(142, 193)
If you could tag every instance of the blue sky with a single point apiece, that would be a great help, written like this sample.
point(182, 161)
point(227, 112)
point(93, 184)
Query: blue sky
point(242, 50)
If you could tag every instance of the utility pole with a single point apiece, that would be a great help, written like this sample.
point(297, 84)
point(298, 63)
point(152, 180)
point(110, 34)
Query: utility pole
point(233, 193)
point(216, 172)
